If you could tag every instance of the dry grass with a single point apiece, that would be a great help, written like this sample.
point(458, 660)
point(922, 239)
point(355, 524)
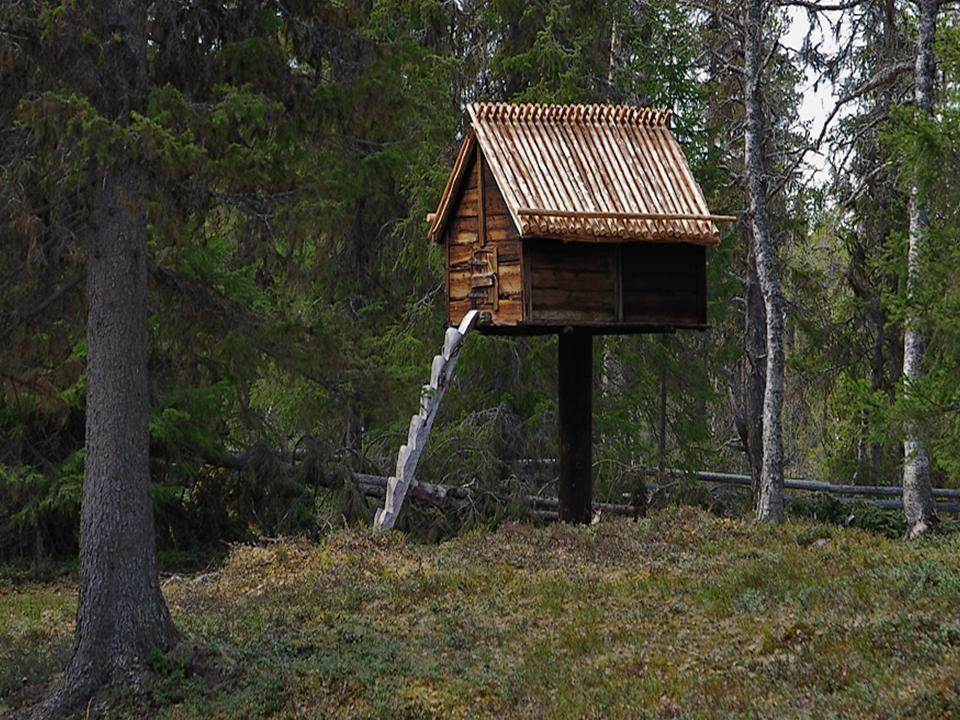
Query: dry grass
point(681, 615)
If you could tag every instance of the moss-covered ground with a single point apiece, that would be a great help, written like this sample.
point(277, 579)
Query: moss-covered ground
point(680, 615)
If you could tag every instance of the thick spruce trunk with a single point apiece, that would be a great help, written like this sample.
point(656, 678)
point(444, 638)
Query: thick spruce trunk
point(121, 614)
point(770, 491)
point(918, 504)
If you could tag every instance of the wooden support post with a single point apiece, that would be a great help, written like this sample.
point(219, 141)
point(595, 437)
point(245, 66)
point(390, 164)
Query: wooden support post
point(575, 491)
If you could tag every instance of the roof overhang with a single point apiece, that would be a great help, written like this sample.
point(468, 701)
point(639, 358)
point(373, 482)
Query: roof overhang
point(584, 173)
point(440, 218)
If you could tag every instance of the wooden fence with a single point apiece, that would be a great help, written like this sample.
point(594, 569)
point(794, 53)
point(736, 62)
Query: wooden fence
point(883, 496)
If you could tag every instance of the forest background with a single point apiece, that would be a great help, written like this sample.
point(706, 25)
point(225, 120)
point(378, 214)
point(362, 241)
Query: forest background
point(294, 149)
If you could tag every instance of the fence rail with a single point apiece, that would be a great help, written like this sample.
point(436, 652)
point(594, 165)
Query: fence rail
point(454, 497)
point(811, 485)
point(883, 496)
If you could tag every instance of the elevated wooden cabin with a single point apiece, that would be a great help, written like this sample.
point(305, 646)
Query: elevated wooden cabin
point(574, 216)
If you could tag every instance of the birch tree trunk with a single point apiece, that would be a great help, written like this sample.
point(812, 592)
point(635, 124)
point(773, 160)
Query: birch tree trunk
point(121, 614)
point(918, 502)
point(614, 46)
point(755, 369)
point(770, 495)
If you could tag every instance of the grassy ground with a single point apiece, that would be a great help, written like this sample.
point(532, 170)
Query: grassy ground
point(681, 615)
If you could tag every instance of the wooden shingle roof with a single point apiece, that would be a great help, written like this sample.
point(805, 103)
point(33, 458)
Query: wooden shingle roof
point(586, 172)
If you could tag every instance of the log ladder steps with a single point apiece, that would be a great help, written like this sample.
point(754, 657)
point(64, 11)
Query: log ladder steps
point(420, 424)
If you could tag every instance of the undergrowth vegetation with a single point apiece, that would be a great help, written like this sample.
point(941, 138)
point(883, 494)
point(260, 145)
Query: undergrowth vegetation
point(682, 614)
point(296, 301)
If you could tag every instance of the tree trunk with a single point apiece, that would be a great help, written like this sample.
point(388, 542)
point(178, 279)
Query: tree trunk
point(121, 613)
point(662, 424)
point(614, 47)
point(770, 495)
point(918, 502)
point(755, 370)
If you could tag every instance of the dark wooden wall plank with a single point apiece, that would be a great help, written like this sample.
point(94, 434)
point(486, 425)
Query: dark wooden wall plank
point(664, 283)
point(571, 282)
point(483, 262)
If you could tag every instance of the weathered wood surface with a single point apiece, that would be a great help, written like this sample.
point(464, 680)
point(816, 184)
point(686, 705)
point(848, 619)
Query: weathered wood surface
point(652, 284)
point(501, 225)
point(582, 172)
point(571, 283)
point(452, 497)
point(849, 493)
point(575, 386)
point(482, 198)
point(483, 251)
point(756, 170)
point(441, 372)
point(444, 497)
point(816, 486)
point(620, 182)
point(918, 501)
point(462, 240)
point(789, 483)
point(597, 214)
point(592, 171)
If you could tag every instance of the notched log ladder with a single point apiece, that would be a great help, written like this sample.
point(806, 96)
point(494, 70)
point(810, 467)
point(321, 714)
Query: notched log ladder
point(420, 424)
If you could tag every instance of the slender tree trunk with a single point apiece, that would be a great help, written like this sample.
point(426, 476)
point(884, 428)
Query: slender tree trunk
point(614, 46)
point(121, 614)
point(755, 370)
point(662, 423)
point(918, 504)
point(882, 190)
point(877, 376)
point(770, 495)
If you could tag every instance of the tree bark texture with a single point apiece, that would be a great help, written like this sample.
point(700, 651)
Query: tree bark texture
point(575, 386)
point(614, 47)
point(121, 613)
point(755, 370)
point(770, 495)
point(918, 502)
point(662, 426)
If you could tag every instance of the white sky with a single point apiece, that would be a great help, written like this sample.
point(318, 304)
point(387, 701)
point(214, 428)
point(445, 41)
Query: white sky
point(817, 102)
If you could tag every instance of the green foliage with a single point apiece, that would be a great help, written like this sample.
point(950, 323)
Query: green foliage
point(167, 681)
point(859, 414)
point(290, 154)
point(297, 302)
point(39, 507)
point(863, 515)
point(852, 305)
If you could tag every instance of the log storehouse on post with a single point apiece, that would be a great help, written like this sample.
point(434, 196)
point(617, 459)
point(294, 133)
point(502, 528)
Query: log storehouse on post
point(577, 220)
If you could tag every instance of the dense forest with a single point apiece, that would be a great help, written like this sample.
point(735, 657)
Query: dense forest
point(268, 166)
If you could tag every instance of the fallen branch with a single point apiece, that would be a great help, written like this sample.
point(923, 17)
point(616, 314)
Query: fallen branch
point(811, 485)
point(441, 496)
point(457, 498)
point(552, 503)
point(448, 497)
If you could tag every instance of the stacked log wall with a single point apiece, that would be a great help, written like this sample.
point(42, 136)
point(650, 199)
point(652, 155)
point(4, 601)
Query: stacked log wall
point(482, 240)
